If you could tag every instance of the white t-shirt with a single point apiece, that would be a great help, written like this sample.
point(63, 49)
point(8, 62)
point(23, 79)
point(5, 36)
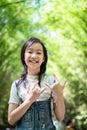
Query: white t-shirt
point(21, 91)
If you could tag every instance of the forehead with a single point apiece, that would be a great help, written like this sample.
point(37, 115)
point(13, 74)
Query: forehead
point(35, 46)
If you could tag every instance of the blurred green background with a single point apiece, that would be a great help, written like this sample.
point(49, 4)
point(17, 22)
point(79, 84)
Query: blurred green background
point(62, 26)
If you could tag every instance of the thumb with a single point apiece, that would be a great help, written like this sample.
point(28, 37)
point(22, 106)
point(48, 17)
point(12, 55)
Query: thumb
point(42, 90)
point(64, 83)
point(28, 88)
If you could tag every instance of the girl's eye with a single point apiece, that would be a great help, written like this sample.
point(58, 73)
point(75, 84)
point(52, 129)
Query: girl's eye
point(29, 51)
point(38, 52)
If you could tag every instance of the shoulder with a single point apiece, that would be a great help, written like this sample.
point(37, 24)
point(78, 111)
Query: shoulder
point(15, 83)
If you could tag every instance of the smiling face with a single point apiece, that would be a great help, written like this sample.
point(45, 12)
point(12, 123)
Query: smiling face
point(34, 57)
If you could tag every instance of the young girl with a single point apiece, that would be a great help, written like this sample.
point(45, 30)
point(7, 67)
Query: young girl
point(35, 96)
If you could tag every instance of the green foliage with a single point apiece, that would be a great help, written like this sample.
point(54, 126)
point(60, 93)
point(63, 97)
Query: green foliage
point(62, 27)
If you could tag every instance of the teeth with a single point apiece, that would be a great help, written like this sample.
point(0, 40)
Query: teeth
point(34, 62)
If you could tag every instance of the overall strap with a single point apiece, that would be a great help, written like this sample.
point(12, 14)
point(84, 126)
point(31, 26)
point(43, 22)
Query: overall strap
point(16, 84)
point(51, 97)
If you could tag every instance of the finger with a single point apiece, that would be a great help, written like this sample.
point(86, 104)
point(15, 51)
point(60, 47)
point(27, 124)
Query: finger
point(37, 89)
point(47, 85)
point(55, 76)
point(28, 88)
point(35, 85)
point(64, 83)
point(42, 90)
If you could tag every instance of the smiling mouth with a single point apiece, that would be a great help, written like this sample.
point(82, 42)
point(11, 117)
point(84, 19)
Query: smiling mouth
point(33, 61)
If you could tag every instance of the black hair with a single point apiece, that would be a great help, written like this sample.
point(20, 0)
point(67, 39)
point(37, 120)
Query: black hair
point(28, 43)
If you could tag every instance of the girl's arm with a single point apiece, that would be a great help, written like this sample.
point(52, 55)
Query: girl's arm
point(59, 106)
point(15, 112)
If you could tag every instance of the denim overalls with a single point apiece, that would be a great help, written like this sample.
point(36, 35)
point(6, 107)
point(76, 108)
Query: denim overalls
point(37, 117)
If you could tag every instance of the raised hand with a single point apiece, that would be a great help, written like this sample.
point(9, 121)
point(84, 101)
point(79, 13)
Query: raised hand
point(56, 87)
point(34, 92)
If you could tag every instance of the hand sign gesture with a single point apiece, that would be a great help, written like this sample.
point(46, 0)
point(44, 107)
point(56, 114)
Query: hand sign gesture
point(34, 92)
point(59, 107)
point(56, 87)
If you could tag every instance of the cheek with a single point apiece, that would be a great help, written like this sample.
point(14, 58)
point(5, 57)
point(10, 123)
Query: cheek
point(26, 57)
point(41, 59)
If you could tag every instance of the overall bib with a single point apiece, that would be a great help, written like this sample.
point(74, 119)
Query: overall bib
point(37, 117)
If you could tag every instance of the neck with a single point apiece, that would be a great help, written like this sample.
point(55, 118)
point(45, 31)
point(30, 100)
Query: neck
point(33, 72)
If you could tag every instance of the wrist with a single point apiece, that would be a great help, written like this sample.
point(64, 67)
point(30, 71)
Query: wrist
point(29, 102)
point(59, 97)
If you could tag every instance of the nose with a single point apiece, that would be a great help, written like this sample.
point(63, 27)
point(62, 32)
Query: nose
point(33, 55)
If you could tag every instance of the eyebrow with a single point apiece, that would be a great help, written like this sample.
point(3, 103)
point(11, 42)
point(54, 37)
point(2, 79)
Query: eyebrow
point(32, 49)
